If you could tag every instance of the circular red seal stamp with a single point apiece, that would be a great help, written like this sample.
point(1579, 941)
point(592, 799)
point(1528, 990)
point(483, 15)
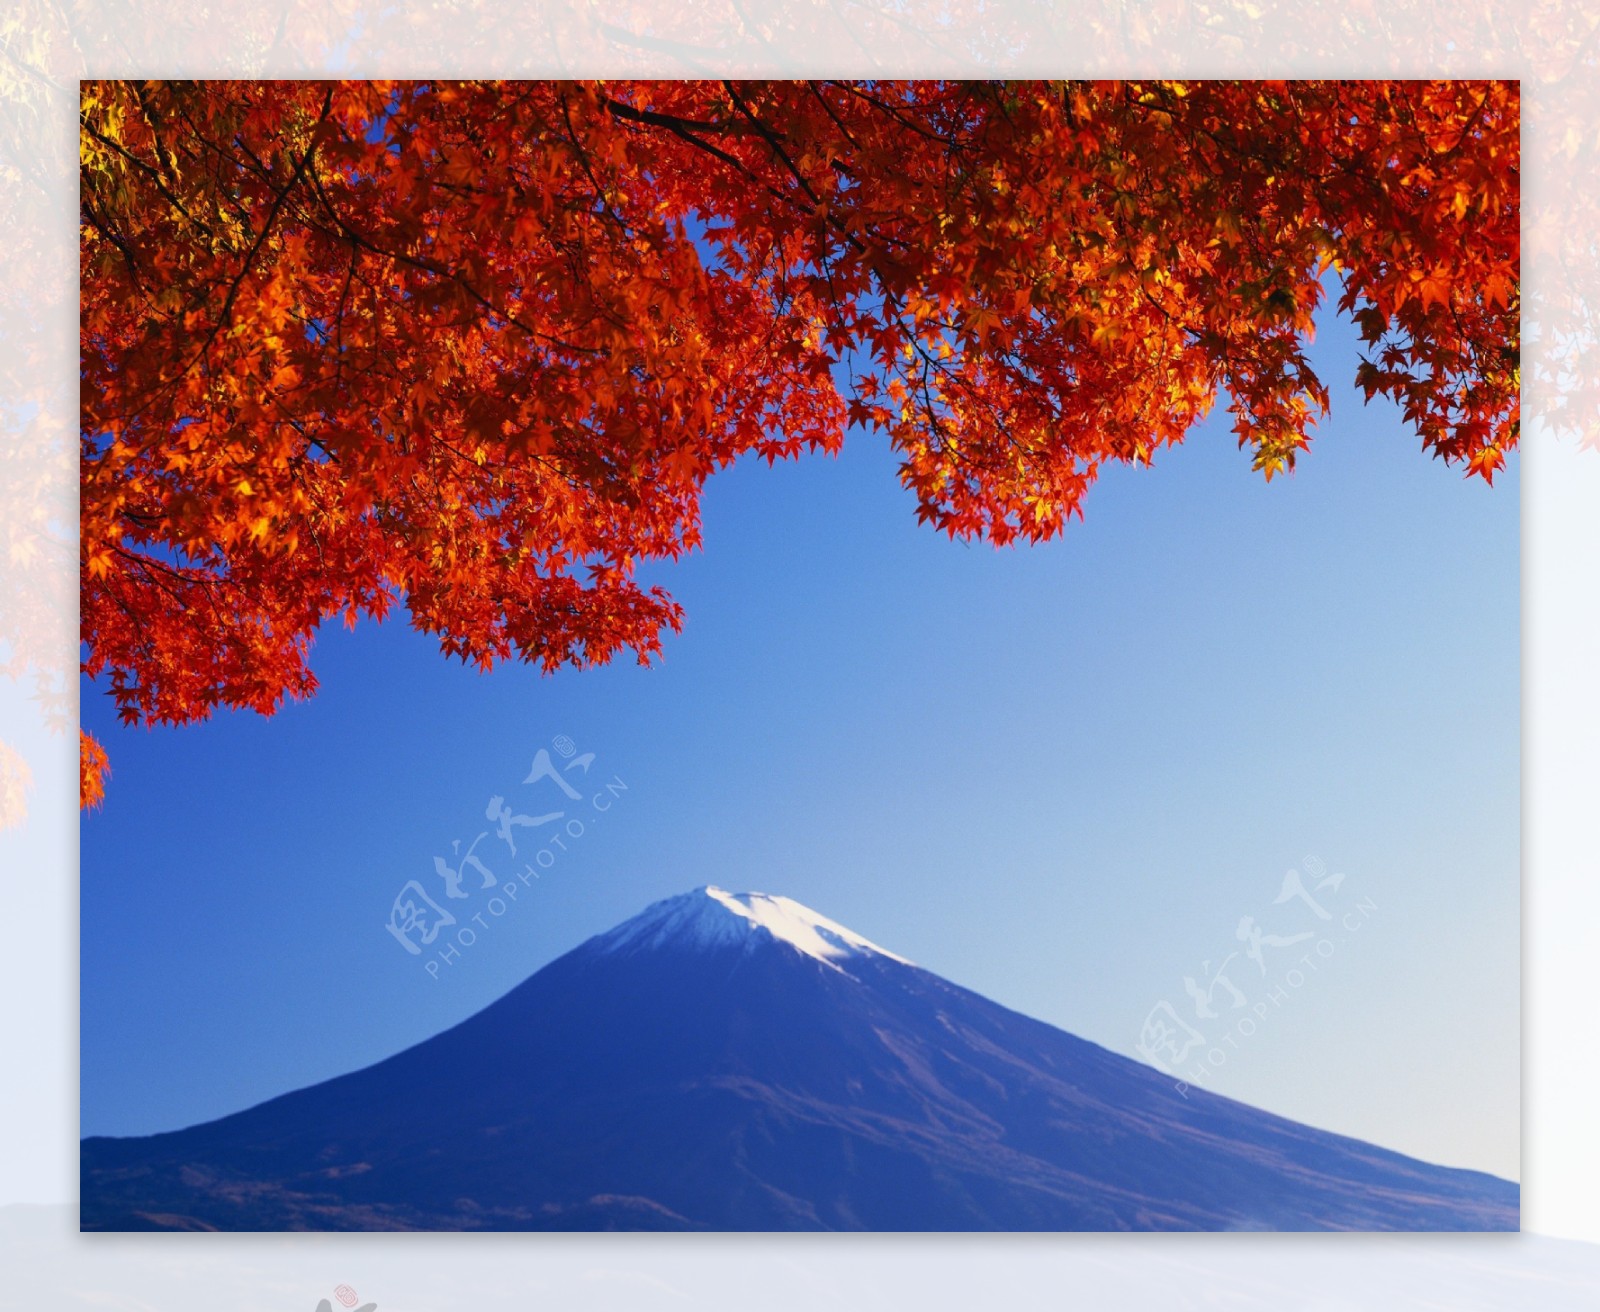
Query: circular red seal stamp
point(345, 1295)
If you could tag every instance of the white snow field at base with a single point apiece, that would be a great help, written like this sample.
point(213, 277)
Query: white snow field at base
point(48, 1265)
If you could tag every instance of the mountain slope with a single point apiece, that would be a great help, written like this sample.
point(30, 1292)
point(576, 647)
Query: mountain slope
point(739, 1062)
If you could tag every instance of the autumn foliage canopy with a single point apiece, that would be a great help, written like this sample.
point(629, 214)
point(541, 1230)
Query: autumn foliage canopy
point(475, 348)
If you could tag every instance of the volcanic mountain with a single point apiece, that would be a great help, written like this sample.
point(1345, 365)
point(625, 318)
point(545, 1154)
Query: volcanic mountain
point(738, 1062)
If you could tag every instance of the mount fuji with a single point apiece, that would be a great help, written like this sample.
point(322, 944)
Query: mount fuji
point(738, 1062)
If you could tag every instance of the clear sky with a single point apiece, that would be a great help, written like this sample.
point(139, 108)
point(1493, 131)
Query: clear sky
point(1061, 776)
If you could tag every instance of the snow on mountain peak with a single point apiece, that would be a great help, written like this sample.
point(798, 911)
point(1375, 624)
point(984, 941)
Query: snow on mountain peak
point(713, 917)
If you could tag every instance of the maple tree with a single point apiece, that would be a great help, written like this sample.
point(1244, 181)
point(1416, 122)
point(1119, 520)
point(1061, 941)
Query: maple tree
point(477, 346)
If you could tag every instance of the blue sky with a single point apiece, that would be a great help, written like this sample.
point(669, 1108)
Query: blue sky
point(1060, 776)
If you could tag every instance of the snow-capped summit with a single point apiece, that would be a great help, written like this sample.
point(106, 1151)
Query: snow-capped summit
point(712, 917)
